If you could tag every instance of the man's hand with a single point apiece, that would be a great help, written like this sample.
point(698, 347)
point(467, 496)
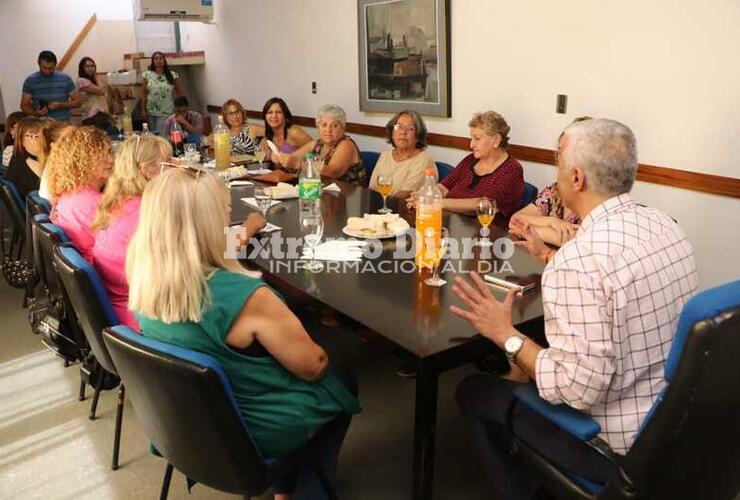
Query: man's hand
point(491, 317)
point(51, 106)
point(181, 120)
point(42, 111)
point(530, 240)
point(565, 230)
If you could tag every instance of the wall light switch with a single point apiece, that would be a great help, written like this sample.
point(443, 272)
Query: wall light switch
point(313, 87)
point(562, 103)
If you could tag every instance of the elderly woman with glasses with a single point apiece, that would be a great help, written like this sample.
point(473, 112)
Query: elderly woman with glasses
point(488, 172)
point(406, 163)
point(338, 152)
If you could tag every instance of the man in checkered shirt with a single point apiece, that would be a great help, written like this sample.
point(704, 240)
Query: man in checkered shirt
point(612, 297)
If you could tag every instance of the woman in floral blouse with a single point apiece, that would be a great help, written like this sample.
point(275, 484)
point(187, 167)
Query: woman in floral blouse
point(157, 99)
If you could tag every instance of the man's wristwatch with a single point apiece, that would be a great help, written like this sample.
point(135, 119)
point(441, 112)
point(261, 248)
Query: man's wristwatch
point(512, 346)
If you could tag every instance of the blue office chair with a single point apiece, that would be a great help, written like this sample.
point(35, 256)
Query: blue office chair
point(53, 316)
point(530, 193)
point(443, 170)
point(94, 311)
point(689, 445)
point(184, 401)
point(369, 159)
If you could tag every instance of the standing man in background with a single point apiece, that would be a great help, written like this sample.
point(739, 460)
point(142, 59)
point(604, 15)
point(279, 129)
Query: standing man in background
point(49, 92)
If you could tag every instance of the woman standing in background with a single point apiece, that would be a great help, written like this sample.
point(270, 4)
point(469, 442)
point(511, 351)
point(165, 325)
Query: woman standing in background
point(157, 86)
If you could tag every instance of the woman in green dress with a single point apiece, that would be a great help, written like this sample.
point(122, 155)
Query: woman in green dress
point(282, 381)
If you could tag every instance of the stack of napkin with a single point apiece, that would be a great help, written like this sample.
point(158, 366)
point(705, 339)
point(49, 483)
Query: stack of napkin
point(337, 250)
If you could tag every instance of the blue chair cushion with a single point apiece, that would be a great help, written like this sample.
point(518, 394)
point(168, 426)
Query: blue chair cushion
point(443, 170)
point(703, 306)
point(530, 193)
point(72, 256)
point(194, 357)
point(569, 419)
point(53, 228)
point(369, 159)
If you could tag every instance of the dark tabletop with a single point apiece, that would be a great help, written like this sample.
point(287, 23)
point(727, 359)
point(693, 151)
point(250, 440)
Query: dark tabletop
point(398, 305)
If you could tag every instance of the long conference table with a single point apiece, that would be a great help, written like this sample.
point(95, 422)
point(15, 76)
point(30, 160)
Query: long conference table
point(403, 312)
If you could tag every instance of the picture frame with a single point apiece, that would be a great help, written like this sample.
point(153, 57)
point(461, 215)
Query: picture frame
point(404, 56)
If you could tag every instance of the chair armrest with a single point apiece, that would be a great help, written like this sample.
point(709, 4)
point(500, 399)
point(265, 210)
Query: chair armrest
point(576, 423)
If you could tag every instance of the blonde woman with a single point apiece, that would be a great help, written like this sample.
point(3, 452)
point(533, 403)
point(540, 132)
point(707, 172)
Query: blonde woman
point(137, 161)
point(185, 292)
point(77, 168)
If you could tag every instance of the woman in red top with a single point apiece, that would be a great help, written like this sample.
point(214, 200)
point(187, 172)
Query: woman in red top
point(487, 172)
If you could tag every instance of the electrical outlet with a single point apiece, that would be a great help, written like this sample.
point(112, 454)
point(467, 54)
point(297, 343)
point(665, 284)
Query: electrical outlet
point(562, 104)
point(313, 87)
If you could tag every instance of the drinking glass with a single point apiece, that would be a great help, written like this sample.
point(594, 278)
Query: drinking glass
point(312, 228)
point(189, 148)
point(259, 149)
point(439, 254)
point(486, 210)
point(263, 197)
point(385, 184)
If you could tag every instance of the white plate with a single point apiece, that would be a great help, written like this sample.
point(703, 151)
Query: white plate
point(367, 236)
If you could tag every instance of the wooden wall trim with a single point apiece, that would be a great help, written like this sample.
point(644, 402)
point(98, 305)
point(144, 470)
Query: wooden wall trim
point(673, 177)
point(77, 42)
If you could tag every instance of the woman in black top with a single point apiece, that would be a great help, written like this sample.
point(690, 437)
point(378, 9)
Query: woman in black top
point(29, 155)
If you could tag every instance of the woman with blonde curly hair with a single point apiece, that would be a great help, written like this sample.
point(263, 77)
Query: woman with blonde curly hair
point(78, 167)
point(138, 160)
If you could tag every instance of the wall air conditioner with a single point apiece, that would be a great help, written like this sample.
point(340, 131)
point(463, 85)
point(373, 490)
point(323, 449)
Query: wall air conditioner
point(174, 10)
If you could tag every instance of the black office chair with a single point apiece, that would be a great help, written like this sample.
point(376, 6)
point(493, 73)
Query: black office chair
point(17, 270)
point(94, 312)
point(185, 403)
point(689, 445)
point(53, 316)
point(35, 205)
point(530, 193)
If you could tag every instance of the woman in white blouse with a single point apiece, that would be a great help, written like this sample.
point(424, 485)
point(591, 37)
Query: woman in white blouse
point(407, 161)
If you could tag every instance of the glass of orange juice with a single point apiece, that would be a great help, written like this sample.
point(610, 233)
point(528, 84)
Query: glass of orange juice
point(486, 211)
point(385, 184)
point(438, 255)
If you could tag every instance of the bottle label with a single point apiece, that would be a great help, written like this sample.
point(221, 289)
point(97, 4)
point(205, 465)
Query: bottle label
point(309, 189)
point(176, 136)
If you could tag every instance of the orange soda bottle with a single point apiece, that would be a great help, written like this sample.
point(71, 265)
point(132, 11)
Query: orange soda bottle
point(428, 221)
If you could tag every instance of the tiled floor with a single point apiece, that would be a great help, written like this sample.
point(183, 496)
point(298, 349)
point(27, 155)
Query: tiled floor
point(49, 449)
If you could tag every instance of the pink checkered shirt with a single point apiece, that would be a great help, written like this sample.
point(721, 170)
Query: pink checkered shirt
point(612, 297)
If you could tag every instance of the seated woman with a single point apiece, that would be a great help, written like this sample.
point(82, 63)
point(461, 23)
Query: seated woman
point(241, 133)
point(341, 157)
point(29, 155)
point(197, 299)
point(279, 127)
point(406, 163)
point(78, 167)
point(11, 130)
point(547, 215)
point(137, 161)
point(489, 171)
point(54, 132)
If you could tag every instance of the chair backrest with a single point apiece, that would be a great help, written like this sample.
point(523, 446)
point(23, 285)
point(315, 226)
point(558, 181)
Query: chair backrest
point(35, 204)
point(530, 193)
point(186, 406)
point(369, 159)
point(89, 300)
point(44, 237)
point(443, 170)
point(13, 201)
point(690, 445)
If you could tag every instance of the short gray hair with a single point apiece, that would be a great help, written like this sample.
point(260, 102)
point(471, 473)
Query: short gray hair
point(334, 111)
point(606, 150)
point(419, 125)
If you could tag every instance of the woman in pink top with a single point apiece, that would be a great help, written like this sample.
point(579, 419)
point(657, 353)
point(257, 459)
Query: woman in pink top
point(78, 167)
point(137, 161)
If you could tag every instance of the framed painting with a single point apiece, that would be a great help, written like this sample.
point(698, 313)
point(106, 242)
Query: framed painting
point(404, 51)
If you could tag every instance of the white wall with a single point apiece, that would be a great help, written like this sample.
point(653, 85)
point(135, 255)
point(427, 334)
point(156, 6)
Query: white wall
point(30, 26)
point(666, 68)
